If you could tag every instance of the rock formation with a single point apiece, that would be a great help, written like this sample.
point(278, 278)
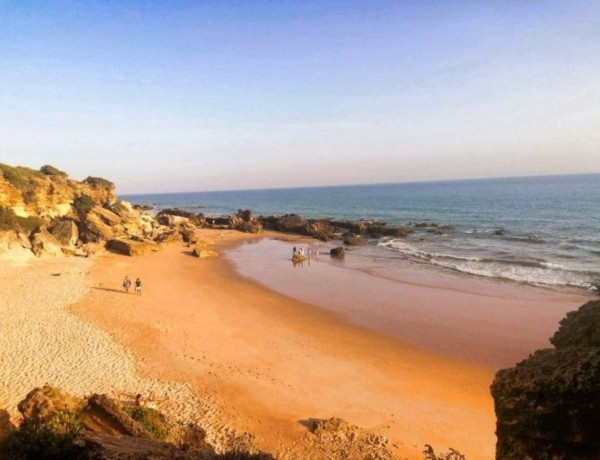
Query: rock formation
point(337, 252)
point(58, 425)
point(44, 213)
point(547, 406)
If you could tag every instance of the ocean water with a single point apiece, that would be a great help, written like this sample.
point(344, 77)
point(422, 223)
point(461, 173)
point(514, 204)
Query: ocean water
point(537, 230)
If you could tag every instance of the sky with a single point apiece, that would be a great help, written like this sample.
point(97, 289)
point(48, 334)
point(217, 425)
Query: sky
point(163, 96)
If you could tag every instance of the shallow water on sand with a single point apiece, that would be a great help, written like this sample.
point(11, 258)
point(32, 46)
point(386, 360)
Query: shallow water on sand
point(489, 323)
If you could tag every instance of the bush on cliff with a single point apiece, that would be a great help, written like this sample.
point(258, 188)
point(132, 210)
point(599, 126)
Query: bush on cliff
point(59, 438)
point(21, 178)
point(8, 220)
point(49, 170)
point(151, 420)
point(83, 204)
point(97, 182)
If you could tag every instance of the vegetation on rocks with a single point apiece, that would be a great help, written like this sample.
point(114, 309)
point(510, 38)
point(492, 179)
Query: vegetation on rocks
point(49, 170)
point(97, 182)
point(151, 420)
point(83, 204)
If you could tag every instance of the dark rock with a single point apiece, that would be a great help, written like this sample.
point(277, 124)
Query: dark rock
point(319, 229)
point(290, 223)
point(337, 252)
point(402, 232)
point(6, 425)
point(499, 232)
point(142, 207)
point(66, 232)
point(547, 406)
point(248, 227)
point(580, 328)
point(352, 240)
point(196, 219)
point(245, 214)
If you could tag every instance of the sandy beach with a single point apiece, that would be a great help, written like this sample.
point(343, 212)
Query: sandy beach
point(237, 357)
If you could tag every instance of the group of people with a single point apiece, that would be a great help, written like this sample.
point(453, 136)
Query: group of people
point(127, 285)
point(301, 252)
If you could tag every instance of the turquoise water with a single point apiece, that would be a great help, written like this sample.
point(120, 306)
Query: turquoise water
point(539, 230)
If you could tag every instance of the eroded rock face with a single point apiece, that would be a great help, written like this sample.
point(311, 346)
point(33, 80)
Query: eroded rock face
point(66, 232)
point(42, 404)
point(547, 406)
point(43, 242)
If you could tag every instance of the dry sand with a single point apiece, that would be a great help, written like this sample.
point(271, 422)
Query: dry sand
point(231, 354)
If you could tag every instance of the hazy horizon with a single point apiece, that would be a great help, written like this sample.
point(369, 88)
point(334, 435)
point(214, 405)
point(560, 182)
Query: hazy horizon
point(161, 97)
point(502, 178)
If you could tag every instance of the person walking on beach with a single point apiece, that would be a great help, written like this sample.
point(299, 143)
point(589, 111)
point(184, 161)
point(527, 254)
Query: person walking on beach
point(126, 284)
point(138, 286)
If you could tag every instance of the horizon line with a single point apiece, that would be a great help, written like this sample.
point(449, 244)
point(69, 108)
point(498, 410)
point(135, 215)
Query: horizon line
point(364, 184)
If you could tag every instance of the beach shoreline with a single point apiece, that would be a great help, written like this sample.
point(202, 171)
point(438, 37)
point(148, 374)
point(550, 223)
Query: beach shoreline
point(243, 358)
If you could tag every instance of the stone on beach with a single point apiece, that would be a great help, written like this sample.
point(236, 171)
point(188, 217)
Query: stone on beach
point(337, 252)
point(131, 247)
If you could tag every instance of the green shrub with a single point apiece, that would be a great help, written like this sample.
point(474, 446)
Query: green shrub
point(29, 224)
point(97, 182)
point(60, 438)
point(49, 170)
point(23, 179)
point(83, 204)
point(8, 220)
point(152, 420)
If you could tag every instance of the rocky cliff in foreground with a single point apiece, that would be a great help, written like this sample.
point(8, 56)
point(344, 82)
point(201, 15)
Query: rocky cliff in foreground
point(548, 406)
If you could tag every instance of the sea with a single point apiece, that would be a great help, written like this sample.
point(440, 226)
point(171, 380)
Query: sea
point(542, 230)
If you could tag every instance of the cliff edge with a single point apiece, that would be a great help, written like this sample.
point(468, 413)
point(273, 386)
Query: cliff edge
point(548, 406)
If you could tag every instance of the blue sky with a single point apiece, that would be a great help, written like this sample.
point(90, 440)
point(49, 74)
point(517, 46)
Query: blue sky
point(182, 96)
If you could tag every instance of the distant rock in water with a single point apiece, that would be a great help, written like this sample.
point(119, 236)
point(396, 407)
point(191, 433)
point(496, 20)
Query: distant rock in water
point(547, 406)
point(337, 252)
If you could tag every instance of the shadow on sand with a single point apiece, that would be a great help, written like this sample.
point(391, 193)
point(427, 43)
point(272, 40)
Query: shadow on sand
point(120, 291)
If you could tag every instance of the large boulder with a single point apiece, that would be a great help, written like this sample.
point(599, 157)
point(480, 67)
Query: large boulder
point(66, 232)
point(44, 243)
point(93, 229)
point(319, 229)
point(337, 252)
point(42, 404)
point(290, 223)
point(547, 406)
point(129, 247)
point(250, 227)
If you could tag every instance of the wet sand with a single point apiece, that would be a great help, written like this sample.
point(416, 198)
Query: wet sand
point(486, 322)
point(267, 363)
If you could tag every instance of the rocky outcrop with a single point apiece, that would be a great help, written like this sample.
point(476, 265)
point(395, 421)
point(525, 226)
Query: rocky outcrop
point(66, 232)
point(352, 240)
point(6, 425)
point(43, 242)
point(42, 404)
point(58, 425)
point(336, 439)
point(547, 406)
point(130, 247)
point(196, 219)
point(337, 252)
